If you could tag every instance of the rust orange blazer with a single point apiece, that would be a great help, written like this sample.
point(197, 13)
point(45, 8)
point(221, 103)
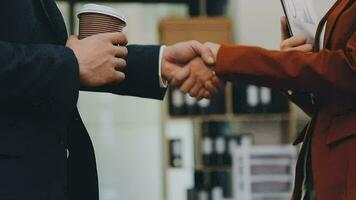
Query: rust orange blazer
point(330, 74)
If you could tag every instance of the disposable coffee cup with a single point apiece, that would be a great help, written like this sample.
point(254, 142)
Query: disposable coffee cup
point(95, 19)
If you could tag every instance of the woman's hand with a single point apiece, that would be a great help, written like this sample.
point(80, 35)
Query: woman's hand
point(295, 43)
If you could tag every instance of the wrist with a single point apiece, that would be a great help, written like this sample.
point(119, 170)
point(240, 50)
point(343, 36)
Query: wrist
point(214, 48)
point(84, 74)
point(165, 69)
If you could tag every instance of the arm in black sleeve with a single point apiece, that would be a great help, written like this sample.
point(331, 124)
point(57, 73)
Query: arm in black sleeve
point(141, 74)
point(35, 73)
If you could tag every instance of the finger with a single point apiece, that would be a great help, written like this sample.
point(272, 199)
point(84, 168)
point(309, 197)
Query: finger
point(217, 82)
point(118, 77)
point(200, 95)
point(201, 71)
point(207, 95)
point(116, 38)
point(293, 42)
point(204, 52)
point(213, 47)
point(284, 28)
point(298, 40)
point(304, 48)
point(195, 90)
point(178, 77)
point(120, 51)
point(210, 87)
point(187, 85)
point(119, 64)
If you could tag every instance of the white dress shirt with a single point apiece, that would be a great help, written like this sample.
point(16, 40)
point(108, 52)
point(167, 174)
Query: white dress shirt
point(162, 83)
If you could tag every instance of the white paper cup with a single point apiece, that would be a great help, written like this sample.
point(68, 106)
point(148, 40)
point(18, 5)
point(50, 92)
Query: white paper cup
point(95, 19)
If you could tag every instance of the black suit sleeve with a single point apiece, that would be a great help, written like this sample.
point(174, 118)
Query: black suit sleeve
point(141, 74)
point(35, 73)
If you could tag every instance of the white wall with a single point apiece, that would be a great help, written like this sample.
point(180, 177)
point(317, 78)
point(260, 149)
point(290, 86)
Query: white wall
point(180, 179)
point(256, 22)
point(126, 131)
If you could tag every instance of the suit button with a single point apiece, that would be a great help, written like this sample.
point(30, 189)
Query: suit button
point(312, 98)
point(67, 150)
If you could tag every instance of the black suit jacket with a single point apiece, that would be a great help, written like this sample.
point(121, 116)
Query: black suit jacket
point(39, 121)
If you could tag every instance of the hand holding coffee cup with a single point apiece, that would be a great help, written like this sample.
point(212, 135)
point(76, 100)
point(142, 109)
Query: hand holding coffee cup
point(100, 48)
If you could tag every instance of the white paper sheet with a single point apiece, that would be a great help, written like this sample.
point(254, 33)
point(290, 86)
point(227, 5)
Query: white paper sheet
point(302, 18)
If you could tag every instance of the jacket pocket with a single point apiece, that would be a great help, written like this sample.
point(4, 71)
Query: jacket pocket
point(342, 127)
point(13, 140)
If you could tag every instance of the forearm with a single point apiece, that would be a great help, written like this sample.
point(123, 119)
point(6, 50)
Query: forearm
point(141, 72)
point(321, 72)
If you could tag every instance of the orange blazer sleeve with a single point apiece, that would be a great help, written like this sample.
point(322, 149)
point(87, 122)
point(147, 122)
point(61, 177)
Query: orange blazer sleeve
point(325, 72)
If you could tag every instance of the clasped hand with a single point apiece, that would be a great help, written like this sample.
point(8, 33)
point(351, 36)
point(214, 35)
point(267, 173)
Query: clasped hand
point(189, 66)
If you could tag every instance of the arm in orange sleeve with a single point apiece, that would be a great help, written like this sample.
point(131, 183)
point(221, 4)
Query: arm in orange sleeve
point(327, 72)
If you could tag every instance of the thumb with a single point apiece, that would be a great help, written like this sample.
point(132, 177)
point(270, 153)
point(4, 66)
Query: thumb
point(204, 52)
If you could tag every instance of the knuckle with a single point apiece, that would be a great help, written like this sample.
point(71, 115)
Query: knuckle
point(283, 45)
point(123, 51)
point(117, 77)
point(113, 62)
point(122, 77)
point(194, 76)
point(193, 94)
point(126, 51)
point(207, 84)
point(112, 50)
point(183, 90)
point(178, 79)
point(123, 37)
point(194, 42)
point(124, 63)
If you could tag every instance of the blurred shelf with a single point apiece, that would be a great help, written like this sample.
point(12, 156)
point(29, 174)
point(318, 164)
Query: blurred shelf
point(236, 117)
point(217, 168)
point(270, 178)
point(271, 195)
point(202, 168)
point(127, 1)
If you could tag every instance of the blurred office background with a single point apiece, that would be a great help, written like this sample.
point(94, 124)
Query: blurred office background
point(180, 149)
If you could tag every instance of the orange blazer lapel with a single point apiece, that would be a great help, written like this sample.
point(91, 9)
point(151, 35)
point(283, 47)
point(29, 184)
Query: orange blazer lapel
point(332, 19)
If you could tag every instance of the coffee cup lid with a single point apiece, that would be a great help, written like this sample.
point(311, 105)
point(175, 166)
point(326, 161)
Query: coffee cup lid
point(95, 8)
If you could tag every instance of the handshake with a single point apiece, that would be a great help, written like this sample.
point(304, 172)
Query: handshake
point(186, 65)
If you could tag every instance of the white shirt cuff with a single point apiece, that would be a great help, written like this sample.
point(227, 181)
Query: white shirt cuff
point(162, 83)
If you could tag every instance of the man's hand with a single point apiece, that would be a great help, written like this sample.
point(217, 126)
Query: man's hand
point(214, 48)
point(187, 65)
point(100, 58)
point(295, 43)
